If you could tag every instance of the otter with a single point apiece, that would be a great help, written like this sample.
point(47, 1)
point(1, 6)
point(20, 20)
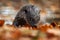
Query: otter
point(29, 14)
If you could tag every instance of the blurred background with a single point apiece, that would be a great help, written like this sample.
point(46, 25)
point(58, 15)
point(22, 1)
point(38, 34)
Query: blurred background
point(49, 12)
point(50, 9)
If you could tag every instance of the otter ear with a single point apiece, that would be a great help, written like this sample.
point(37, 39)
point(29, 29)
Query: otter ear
point(39, 12)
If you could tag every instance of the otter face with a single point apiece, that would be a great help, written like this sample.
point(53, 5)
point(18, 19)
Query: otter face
point(28, 14)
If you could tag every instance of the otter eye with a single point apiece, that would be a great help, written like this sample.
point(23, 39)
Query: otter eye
point(32, 6)
point(25, 11)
